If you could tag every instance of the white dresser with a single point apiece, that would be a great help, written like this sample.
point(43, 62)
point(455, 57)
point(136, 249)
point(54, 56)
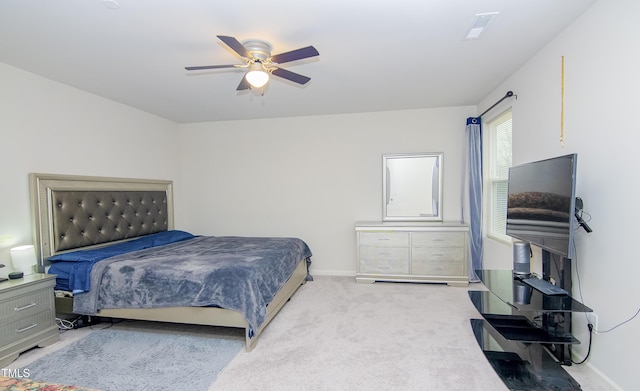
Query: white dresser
point(27, 315)
point(412, 252)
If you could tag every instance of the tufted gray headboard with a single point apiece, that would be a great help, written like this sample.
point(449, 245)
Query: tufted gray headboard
point(71, 212)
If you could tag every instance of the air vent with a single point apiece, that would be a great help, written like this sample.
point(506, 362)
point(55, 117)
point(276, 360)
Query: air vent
point(479, 24)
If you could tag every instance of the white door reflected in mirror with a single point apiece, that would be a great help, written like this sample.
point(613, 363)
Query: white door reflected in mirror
point(412, 187)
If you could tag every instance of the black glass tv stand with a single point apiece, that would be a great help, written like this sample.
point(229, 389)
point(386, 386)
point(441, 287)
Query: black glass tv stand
point(525, 334)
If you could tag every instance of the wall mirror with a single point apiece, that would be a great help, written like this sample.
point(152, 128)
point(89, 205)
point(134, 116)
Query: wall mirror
point(412, 187)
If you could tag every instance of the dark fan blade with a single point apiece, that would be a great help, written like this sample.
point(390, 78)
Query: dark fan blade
point(294, 55)
point(236, 46)
point(244, 84)
point(208, 67)
point(295, 77)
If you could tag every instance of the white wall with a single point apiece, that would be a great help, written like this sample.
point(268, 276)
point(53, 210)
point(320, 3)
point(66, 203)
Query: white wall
point(602, 59)
point(48, 127)
point(309, 177)
point(314, 177)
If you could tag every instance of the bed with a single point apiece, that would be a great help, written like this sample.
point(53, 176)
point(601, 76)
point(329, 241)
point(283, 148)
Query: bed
point(115, 251)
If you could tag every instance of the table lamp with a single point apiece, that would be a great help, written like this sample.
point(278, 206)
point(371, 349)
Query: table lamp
point(23, 259)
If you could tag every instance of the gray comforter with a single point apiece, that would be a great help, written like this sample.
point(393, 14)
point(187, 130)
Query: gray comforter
point(236, 273)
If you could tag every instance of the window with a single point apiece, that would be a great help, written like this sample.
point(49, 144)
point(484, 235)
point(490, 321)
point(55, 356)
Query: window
point(498, 175)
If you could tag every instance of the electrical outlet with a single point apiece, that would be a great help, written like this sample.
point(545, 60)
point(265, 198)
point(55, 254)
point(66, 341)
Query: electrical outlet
point(593, 320)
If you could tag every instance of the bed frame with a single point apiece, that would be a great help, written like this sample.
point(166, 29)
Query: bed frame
point(72, 212)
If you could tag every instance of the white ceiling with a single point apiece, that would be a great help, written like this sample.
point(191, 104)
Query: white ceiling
point(374, 55)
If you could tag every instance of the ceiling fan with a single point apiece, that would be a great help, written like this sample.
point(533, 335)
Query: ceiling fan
point(260, 63)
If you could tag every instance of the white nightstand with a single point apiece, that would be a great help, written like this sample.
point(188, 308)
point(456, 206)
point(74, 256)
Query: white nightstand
point(27, 315)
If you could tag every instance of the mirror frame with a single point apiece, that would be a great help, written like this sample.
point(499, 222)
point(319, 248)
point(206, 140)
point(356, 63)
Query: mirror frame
point(434, 178)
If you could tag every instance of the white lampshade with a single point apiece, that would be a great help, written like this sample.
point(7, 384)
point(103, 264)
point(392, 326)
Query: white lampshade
point(257, 77)
point(23, 259)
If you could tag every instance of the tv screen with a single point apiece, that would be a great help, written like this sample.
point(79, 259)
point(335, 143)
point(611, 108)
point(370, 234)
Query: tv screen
point(541, 203)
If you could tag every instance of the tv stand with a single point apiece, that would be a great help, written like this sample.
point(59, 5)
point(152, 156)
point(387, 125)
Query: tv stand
point(558, 269)
point(525, 334)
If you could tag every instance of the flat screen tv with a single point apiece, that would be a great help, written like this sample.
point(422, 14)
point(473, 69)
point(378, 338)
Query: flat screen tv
point(541, 203)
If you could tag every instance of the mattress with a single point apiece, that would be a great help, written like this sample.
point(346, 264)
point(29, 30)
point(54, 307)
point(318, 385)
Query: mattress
point(236, 273)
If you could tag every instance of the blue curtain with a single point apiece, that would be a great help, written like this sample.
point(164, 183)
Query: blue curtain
point(472, 193)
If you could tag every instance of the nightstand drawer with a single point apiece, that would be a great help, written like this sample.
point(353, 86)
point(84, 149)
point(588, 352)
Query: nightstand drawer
point(25, 305)
point(27, 315)
point(25, 327)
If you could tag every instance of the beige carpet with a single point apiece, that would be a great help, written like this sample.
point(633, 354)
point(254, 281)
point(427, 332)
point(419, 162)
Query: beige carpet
point(336, 334)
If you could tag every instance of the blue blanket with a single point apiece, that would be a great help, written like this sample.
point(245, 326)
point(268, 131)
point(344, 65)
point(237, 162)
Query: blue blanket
point(73, 268)
point(237, 273)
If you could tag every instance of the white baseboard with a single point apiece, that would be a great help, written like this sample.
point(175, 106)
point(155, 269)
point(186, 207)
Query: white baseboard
point(604, 377)
point(596, 372)
point(335, 273)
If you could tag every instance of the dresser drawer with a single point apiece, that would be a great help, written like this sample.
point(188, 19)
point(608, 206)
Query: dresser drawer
point(25, 327)
point(401, 253)
point(437, 253)
point(384, 239)
point(437, 268)
point(438, 239)
point(412, 252)
point(384, 266)
point(25, 305)
point(384, 260)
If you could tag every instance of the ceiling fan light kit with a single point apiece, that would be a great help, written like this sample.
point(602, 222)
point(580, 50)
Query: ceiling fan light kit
point(260, 63)
point(257, 76)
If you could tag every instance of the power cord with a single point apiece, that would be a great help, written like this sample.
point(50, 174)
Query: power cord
point(75, 323)
point(619, 324)
point(589, 325)
point(64, 324)
point(86, 321)
point(78, 322)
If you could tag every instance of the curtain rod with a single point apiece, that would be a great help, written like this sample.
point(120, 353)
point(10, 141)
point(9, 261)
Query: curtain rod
point(507, 95)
